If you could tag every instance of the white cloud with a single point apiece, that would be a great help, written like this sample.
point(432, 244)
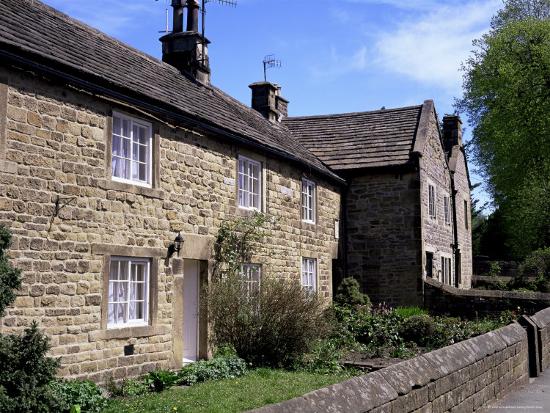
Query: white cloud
point(431, 48)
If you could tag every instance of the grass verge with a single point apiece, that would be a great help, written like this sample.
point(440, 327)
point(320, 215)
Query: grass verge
point(255, 389)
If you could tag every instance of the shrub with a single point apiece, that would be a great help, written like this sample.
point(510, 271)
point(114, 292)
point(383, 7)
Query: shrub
point(406, 312)
point(128, 388)
point(349, 293)
point(10, 278)
point(160, 380)
point(418, 329)
point(85, 394)
point(537, 264)
point(273, 325)
point(26, 373)
point(220, 367)
point(324, 357)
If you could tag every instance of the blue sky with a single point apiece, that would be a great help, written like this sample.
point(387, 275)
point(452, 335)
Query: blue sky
point(337, 56)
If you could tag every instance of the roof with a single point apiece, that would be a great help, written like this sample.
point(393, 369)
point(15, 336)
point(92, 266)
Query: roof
point(359, 140)
point(37, 31)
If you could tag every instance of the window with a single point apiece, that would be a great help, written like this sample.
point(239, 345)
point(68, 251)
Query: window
point(128, 292)
point(431, 201)
point(308, 201)
point(131, 151)
point(309, 274)
point(429, 264)
point(466, 214)
point(251, 274)
point(250, 184)
point(446, 271)
point(447, 209)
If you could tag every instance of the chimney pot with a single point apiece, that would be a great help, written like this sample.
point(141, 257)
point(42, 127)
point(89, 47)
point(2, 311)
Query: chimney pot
point(192, 16)
point(267, 99)
point(452, 132)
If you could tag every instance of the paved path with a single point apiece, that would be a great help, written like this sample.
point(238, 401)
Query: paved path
point(531, 398)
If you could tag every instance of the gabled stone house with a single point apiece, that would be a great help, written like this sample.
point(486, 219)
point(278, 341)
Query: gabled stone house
point(107, 155)
point(406, 208)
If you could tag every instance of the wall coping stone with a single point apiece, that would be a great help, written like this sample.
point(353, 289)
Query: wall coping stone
point(512, 334)
point(542, 318)
point(409, 374)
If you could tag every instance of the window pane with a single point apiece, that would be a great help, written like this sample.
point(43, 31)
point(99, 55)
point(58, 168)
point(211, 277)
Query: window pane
point(126, 128)
point(116, 125)
point(123, 270)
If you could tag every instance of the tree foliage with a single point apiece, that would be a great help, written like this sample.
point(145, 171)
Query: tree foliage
point(507, 99)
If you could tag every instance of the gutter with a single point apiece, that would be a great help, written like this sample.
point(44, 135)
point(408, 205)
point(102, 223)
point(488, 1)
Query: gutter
point(96, 88)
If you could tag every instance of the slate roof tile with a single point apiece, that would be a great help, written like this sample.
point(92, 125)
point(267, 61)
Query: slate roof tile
point(359, 140)
point(33, 27)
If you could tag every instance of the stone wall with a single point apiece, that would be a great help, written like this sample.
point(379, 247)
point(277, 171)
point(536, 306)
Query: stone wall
point(437, 235)
point(463, 216)
point(68, 217)
point(542, 321)
point(464, 377)
point(472, 303)
point(383, 235)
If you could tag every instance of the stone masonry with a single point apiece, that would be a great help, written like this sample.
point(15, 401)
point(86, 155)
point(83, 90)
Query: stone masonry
point(68, 217)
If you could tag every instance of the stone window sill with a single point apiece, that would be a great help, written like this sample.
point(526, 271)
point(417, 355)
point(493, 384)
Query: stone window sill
point(135, 189)
point(128, 332)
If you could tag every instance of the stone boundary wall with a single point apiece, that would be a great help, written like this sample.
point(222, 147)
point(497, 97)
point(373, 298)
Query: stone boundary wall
point(463, 377)
point(542, 321)
point(443, 298)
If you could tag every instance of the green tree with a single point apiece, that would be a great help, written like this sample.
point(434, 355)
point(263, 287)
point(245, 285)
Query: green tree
point(507, 99)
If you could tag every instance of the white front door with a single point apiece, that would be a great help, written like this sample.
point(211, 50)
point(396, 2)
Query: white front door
point(190, 311)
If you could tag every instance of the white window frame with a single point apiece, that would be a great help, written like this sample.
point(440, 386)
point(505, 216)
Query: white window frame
point(245, 196)
point(149, 158)
point(308, 277)
point(447, 273)
point(447, 209)
point(247, 273)
point(432, 200)
point(309, 201)
point(146, 288)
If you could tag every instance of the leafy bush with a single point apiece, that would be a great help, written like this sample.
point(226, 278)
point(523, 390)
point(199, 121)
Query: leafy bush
point(160, 380)
point(220, 367)
point(128, 388)
point(349, 293)
point(324, 357)
point(273, 325)
point(406, 312)
point(537, 265)
point(10, 278)
point(85, 394)
point(26, 373)
point(418, 329)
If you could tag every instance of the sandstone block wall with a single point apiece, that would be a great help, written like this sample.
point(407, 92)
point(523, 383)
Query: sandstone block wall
point(68, 217)
point(383, 236)
point(463, 377)
point(437, 235)
point(542, 320)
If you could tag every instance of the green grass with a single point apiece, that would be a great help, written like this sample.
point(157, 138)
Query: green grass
point(407, 312)
point(255, 389)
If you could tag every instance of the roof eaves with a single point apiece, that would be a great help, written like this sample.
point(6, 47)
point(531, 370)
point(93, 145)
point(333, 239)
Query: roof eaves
point(90, 82)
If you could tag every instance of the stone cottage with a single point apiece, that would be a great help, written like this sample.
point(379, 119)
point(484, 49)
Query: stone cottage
point(406, 206)
point(116, 171)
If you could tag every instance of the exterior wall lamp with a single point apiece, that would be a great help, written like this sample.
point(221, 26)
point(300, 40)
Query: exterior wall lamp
point(176, 246)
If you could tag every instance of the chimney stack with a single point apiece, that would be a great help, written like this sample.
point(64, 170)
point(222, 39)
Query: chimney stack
point(184, 49)
point(452, 132)
point(267, 99)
